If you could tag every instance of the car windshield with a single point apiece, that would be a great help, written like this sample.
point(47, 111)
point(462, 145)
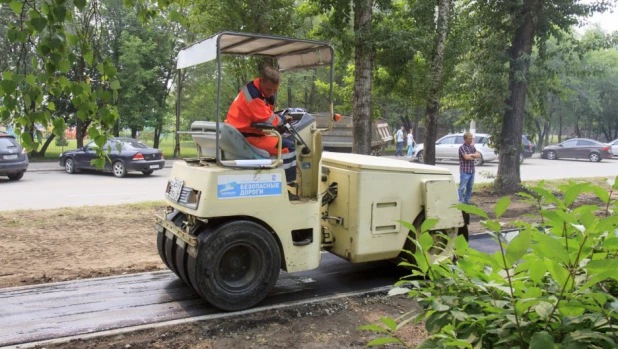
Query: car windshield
point(135, 144)
point(7, 142)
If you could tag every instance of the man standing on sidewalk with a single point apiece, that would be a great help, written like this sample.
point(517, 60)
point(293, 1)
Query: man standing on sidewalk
point(399, 136)
point(467, 154)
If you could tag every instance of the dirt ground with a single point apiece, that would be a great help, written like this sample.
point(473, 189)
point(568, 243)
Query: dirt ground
point(41, 246)
point(324, 325)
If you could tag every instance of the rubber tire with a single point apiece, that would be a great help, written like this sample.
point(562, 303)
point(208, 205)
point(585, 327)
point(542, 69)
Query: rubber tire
point(554, 156)
point(122, 170)
point(210, 252)
point(594, 157)
point(409, 246)
point(70, 169)
point(419, 157)
point(148, 172)
point(479, 161)
point(16, 176)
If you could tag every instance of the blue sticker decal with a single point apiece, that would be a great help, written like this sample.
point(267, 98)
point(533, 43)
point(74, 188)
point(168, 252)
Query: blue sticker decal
point(249, 186)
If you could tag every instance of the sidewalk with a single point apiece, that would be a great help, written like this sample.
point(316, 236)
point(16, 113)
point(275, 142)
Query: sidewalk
point(46, 166)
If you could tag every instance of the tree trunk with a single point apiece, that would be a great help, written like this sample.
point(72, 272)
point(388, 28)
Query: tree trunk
point(508, 179)
point(289, 92)
point(157, 133)
point(363, 56)
point(433, 100)
point(313, 92)
point(41, 153)
point(559, 127)
point(417, 115)
point(133, 132)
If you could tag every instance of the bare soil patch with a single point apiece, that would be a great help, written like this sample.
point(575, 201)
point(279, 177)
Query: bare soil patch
point(324, 325)
point(41, 246)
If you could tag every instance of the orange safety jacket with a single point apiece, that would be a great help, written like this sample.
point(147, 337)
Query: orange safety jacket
point(250, 106)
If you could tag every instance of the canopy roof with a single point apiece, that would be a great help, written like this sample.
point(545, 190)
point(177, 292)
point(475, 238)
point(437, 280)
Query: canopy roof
point(290, 53)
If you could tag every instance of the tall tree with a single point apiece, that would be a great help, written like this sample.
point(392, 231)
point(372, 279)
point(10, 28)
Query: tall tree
point(433, 100)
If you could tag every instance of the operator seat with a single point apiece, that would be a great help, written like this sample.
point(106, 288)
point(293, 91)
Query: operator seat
point(233, 144)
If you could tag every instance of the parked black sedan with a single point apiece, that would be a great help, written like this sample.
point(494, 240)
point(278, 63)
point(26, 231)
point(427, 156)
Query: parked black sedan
point(577, 148)
point(13, 158)
point(126, 154)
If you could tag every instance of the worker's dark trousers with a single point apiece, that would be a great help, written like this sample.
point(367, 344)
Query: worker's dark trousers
point(289, 159)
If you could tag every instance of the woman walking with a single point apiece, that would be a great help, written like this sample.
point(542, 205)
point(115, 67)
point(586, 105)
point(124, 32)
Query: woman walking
point(410, 143)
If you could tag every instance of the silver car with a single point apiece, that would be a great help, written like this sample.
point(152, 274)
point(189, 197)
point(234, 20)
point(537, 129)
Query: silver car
point(613, 146)
point(447, 148)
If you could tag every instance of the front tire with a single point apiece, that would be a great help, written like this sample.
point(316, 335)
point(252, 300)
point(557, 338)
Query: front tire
point(16, 176)
point(419, 157)
point(119, 170)
point(69, 166)
point(442, 248)
point(237, 266)
point(594, 157)
point(551, 155)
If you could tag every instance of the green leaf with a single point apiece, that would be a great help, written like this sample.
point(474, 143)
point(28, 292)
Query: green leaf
point(390, 323)
point(39, 23)
point(472, 210)
point(110, 71)
point(382, 341)
point(573, 192)
point(542, 340)
point(502, 205)
point(7, 75)
point(63, 81)
point(42, 77)
point(543, 309)
point(88, 57)
point(8, 86)
point(60, 12)
point(30, 79)
point(428, 224)
point(426, 241)
point(518, 247)
point(115, 85)
point(59, 127)
point(98, 162)
point(80, 4)
point(106, 96)
point(64, 66)
point(558, 273)
point(17, 6)
point(175, 16)
point(51, 106)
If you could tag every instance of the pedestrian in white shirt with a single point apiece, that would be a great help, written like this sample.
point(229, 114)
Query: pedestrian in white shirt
point(410, 143)
point(399, 136)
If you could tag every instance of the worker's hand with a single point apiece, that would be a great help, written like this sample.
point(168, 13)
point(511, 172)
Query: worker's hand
point(288, 118)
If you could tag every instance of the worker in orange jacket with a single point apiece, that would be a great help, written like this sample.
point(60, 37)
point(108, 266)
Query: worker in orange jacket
point(256, 103)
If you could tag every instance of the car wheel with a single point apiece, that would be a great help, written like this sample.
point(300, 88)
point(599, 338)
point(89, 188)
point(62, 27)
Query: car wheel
point(16, 176)
point(147, 172)
point(419, 156)
point(118, 169)
point(594, 157)
point(69, 166)
point(551, 155)
point(479, 161)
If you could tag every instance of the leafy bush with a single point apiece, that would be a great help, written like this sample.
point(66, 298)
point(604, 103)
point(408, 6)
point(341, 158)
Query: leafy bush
point(61, 142)
point(550, 286)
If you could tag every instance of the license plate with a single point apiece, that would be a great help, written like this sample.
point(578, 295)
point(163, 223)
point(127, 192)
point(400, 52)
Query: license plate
point(175, 189)
point(154, 166)
point(11, 157)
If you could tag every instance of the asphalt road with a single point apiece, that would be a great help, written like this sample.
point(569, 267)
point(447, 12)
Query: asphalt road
point(42, 312)
point(52, 189)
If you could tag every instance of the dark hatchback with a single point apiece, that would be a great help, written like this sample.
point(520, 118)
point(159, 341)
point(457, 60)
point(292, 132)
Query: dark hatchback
point(126, 154)
point(577, 148)
point(528, 147)
point(13, 158)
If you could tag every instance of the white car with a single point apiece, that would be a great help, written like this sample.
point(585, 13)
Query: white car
point(447, 148)
point(613, 146)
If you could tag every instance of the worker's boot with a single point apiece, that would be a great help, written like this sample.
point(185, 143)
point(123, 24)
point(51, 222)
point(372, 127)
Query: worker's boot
point(293, 197)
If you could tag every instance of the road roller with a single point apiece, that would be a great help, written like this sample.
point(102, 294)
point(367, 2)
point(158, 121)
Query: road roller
point(230, 227)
